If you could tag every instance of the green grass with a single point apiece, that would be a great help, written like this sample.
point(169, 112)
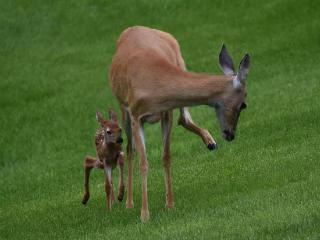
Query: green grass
point(54, 58)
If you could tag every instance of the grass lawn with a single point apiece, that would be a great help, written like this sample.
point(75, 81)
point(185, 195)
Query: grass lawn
point(54, 60)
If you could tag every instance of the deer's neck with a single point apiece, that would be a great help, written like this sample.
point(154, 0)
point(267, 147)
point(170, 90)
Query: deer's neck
point(192, 89)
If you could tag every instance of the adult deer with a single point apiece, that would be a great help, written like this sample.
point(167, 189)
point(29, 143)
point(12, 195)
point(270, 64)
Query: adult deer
point(149, 79)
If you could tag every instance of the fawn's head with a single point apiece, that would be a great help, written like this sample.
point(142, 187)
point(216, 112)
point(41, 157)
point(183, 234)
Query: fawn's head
point(233, 100)
point(112, 131)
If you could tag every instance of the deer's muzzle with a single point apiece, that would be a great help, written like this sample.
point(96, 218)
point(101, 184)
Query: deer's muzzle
point(228, 135)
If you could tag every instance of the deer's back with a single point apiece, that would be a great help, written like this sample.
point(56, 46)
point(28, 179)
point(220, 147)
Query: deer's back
point(139, 46)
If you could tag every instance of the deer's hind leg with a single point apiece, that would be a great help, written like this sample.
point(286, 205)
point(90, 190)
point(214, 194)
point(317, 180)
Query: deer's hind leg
point(126, 122)
point(138, 133)
point(166, 125)
point(186, 121)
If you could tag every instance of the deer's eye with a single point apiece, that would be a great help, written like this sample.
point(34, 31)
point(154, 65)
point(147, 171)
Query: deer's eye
point(243, 106)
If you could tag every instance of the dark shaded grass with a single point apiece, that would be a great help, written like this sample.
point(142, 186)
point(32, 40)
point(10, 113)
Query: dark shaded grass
point(53, 77)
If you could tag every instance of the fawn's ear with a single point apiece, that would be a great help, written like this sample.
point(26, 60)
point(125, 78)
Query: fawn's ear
point(113, 115)
point(225, 61)
point(100, 118)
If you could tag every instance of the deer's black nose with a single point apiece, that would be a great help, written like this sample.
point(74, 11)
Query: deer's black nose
point(119, 140)
point(228, 135)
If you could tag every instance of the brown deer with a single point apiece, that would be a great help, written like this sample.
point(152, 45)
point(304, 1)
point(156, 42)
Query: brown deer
point(108, 146)
point(149, 78)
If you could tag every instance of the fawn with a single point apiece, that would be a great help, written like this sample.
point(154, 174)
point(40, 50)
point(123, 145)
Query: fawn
point(109, 154)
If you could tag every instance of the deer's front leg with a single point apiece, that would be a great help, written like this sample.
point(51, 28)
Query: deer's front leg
point(108, 186)
point(126, 121)
point(186, 121)
point(138, 133)
point(89, 163)
point(121, 183)
point(166, 124)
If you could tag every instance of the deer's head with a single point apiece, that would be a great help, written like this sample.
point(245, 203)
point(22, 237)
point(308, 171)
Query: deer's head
point(112, 131)
point(229, 106)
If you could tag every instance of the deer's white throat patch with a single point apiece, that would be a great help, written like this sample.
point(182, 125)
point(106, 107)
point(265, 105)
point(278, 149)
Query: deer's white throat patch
point(236, 82)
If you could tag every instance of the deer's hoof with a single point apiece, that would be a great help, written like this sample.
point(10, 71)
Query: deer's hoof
point(169, 205)
point(129, 205)
point(145, 216)
point(212, 146)
point(108, 209)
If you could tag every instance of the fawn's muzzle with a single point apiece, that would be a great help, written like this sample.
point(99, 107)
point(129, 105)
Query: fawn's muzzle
point(119, 140)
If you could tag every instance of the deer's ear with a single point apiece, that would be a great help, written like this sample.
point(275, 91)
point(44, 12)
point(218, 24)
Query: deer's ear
point(100, 118)
point(225, 61)
point(113, 115)
point(244, 68)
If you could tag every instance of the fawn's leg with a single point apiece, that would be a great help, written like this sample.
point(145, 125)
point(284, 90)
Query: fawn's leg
point(89, 163)
point(138, 134)
point(108, 186)
point(112, 193)
point(121, 183)
point(186, 121)
point(126, 121)
point(166, 124)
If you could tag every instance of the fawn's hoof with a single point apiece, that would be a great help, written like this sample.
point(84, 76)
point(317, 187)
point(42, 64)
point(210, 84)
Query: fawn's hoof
point(212, 146)
point(145, 216)
point(85, 199)
point(121, 194)
point(120, 198)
